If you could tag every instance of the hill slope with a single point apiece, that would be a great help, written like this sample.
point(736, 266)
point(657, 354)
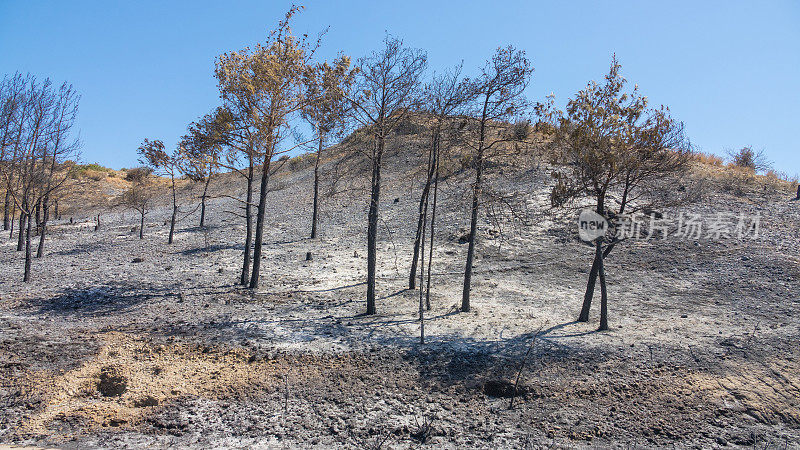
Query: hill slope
point(702, 348)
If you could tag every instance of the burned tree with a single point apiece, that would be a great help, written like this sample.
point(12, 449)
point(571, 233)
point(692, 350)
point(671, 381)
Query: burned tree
point(268, 80)
point(152, 154)
point(140, 194)
point(35, 149)
point(621, 155)
point(12, 103)
point(444, 97)
point(236, 124)
point(498, 101)
point(60, 145)
point(326, 90)
point(201, 151)
point(386, 89)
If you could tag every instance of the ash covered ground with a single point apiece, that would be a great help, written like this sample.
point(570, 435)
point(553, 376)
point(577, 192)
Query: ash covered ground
point(122, 342)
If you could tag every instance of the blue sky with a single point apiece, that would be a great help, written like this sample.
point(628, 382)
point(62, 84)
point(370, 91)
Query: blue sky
point(730, 70)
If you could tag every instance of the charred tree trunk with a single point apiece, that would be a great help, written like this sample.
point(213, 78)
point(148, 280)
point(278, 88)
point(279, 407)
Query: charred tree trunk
point(473, 228)
point(587, 297)
point(203, 202)
point(141, 225)
point(55, 210)
point(433, 221)
point(796, 198)
point(423, 202)
point(27, 275)
point(45, 219)
point(23, 219)
point(603, 296)
point(372, 225)
point(6, 207)
point(248, 213)
point(174, 212)
point(590, 285)
point(97, 222)
point(11, 220)
point(316, 192)
point(38, 216)
point(476, 193)
point(260, 215)
point(421, 277)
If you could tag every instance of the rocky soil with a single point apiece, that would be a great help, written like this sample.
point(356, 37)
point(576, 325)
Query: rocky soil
point(121, 342)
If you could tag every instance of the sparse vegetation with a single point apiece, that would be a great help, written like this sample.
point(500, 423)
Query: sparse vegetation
point(471, 273)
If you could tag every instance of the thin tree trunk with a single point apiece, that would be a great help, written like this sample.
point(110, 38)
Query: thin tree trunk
point(587, 297)
point(421, 278)
point(6, 206)
point(38, 216)
point(45, 218)
point(423, 199)
point(603, 296)
point(473, 228)
point(203, 202)
point(141, 225)
point(422, 267)
point(13, 213)
point(260, 215)
point(55, 210)
point(372, 225)
point(174, 212)
point(23, 219)
point(797, 198)
point(27, 275)
point(433, 221)
point(248, 213)
point(316, 191)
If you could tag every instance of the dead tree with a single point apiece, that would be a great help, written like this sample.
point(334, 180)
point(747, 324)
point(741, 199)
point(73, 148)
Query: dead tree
point(498, 101)
point(444, 97)
point(621, 155)
point(34, 152)
point(60, 146)
point(386, 89)
point(327, 90)
point(12, 104)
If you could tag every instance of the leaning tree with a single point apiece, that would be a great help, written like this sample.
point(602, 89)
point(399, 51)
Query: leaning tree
point(499, 100)
point(620, 155)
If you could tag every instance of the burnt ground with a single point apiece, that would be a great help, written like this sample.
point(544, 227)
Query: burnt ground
point(102, 351)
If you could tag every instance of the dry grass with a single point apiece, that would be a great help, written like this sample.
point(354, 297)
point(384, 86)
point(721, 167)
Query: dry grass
point(709, 159)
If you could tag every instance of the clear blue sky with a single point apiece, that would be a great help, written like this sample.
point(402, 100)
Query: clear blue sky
point(730, 70)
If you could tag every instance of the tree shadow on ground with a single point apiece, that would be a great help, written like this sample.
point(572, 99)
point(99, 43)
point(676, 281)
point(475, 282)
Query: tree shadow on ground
point(79, 249)
point(210, 248)
point(106, 299)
